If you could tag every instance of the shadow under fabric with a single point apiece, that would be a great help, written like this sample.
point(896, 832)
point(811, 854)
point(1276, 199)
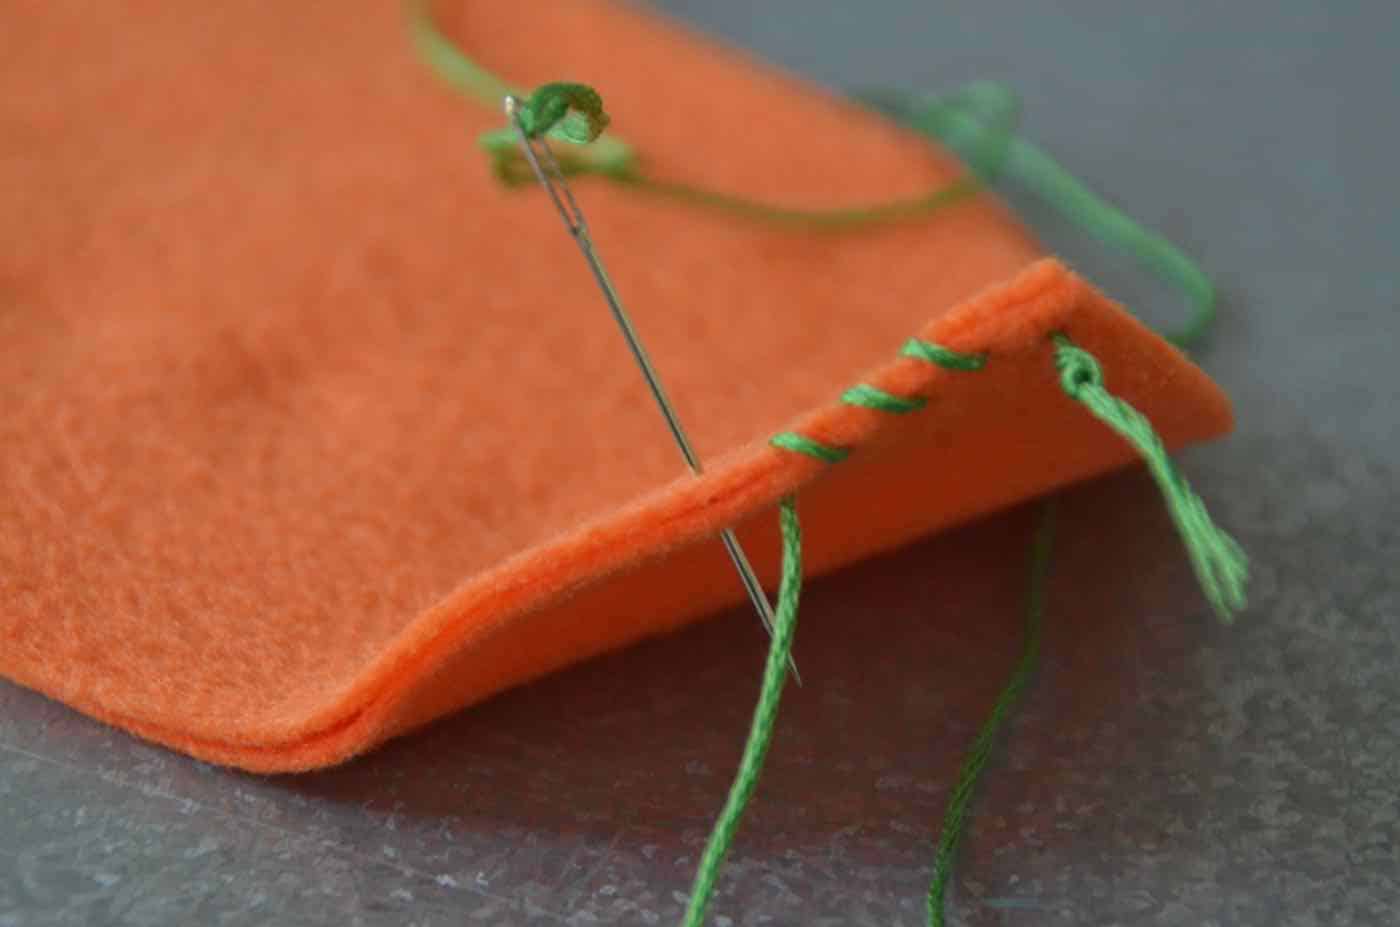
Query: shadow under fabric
point(312, 435)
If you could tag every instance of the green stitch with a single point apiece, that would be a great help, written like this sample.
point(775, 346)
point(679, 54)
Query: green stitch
point(943, 357)
point(801, 444)
point(872, 397)
point(765, 713)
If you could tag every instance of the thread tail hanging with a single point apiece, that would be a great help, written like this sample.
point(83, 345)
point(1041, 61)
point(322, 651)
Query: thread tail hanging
point(970, 773)
point(1220, 564)
point(765, 714)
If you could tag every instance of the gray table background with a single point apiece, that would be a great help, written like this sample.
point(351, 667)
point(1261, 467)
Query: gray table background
point(1166, 770)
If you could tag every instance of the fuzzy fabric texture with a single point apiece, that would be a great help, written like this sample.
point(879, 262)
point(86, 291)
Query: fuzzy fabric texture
point(311, 433)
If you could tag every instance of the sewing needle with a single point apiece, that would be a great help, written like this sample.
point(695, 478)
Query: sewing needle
point(549, 175)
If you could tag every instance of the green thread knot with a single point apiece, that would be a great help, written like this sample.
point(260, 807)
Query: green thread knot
point(567, 112)
point(607, 156)
point(944, 357)
point(1220, 564)
point(1079, 370)
point(571, 112)
point(801, 444)
point(775, 673)
point(872, 397)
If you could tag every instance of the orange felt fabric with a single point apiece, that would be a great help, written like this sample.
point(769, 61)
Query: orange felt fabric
point(312, 434)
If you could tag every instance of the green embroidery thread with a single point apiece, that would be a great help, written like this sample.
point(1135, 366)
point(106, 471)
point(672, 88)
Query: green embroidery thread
point(1219, 562)
point(970, 773)
point(978, 121)
point(801, 444)
point(567, 111)
point(550, 106)
point(765, 713)
point(1023, 163)
point(943, 357)
point(871, 397)
point(611, 159)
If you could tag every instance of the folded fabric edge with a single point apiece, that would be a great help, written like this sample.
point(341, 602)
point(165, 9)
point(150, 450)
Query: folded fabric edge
point(1010, 318)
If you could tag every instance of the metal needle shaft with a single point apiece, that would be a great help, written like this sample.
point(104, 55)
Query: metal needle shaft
point(551, 178)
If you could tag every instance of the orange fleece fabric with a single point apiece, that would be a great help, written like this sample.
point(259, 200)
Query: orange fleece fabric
point(312, 433)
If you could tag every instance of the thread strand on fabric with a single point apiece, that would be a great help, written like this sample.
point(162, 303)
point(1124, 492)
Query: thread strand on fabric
point(614, 160)
point(979, 121)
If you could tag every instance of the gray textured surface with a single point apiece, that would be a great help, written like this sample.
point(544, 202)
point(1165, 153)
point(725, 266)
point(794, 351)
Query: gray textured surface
point(1167, 771)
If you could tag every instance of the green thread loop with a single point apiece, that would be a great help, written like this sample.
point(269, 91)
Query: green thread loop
point(943, 357)
point(872, 397)
point(976, 120)
point(621, 168)
point(572, 112)
point(615, 161)
point(775, 673)
point(970, 773)
point(1220, 564)
point(961, 122)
